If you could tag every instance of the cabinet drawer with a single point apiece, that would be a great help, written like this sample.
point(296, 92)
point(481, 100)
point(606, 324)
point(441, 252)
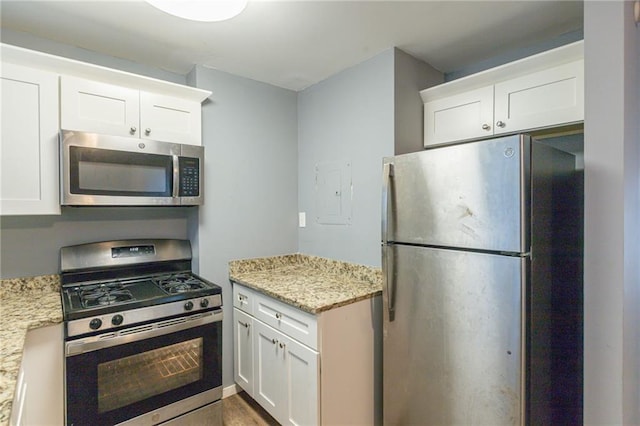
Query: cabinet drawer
point(293, 322)
point(243, 298)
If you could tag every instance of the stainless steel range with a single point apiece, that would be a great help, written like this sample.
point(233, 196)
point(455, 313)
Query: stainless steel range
point(143, 335)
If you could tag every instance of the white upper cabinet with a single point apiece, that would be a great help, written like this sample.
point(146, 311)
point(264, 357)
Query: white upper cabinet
point(543, 90)
point(166, 118)
point(29, 142)
point(546, 98)
point(463, 116)
point(98, 107)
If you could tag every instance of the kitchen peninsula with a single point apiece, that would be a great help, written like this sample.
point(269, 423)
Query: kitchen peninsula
point(307, 338)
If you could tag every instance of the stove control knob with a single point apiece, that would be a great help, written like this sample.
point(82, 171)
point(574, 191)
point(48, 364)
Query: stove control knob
point(95, 324)
point(188, 306)
point(204, 303)
point(117, 319)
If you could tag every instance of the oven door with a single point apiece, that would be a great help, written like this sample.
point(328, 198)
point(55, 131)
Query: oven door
point(150, 373)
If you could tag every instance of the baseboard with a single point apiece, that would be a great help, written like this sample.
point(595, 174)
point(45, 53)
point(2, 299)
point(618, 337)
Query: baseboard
point(230, 390)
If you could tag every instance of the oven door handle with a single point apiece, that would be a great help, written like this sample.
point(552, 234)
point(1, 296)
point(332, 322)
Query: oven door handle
point(142, 332)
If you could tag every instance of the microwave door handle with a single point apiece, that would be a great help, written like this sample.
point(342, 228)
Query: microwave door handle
point(176, 176)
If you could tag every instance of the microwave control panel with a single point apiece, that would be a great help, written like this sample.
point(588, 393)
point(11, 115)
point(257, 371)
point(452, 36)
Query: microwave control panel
point(189, 177)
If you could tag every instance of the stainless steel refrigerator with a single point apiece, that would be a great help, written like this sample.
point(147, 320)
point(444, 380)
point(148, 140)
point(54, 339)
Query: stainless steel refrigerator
point(482, 294)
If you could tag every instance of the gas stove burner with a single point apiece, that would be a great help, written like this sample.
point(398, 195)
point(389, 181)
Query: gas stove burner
point(179, 283)
point(104, 294)
point(107, 299)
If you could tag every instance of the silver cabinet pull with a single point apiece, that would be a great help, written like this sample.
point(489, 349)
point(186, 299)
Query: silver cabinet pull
point(244, 324)
point(501, 124)
point(147, 131)
point(274, 341)
point(282, 345)
point(485, 126)
point(278, 315)
point(133, 130)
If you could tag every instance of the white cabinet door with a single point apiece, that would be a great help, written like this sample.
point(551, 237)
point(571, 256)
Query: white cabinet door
point(96, 107)
point(541, 99)
point(29, 144)
point(302, 372)
point(268, 369)
point(463, 116)
point(170, 119)
point(243, 350)
point(286, 375)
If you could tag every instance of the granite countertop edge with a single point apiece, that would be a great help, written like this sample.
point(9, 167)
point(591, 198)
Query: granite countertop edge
point(19, 315)
point(310, 283)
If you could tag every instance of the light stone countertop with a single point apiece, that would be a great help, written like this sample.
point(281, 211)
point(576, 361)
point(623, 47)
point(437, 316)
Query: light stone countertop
point(313, 284)
point(25, 304)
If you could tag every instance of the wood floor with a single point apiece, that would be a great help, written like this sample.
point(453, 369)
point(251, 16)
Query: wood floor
point(241, 410)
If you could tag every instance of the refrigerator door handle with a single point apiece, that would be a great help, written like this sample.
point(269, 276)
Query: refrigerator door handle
point(388, 283)
point(388, 288)
point(387, 173)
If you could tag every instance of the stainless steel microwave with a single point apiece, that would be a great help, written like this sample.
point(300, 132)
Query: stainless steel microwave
point(101, 170)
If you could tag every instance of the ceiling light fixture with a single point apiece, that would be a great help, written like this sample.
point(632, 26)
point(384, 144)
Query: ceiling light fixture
point(199, 10)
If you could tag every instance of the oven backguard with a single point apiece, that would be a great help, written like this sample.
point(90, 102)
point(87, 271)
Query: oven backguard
point(113, 384)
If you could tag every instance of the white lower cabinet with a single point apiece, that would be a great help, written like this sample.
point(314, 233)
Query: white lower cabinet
point(243, 331)
point(309, 369)
point(275, 369)
point(286, 377)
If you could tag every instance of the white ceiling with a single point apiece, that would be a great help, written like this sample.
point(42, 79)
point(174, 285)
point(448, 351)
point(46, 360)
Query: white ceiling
point(294, 44)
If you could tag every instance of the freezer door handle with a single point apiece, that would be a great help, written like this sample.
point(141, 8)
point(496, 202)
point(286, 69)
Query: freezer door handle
point(387, 173)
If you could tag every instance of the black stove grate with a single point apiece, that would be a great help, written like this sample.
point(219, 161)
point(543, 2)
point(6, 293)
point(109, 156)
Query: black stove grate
point(179, 283)
point(104, 294)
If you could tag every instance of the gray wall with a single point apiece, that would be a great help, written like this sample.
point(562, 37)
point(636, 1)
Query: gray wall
point(30, 245)
point(251, 192)
point(347, 118)
point(411, 75)
point(612, 243)
point(32, 42)
point(516, 54)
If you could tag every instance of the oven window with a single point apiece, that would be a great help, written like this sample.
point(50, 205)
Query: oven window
point(124, 381)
